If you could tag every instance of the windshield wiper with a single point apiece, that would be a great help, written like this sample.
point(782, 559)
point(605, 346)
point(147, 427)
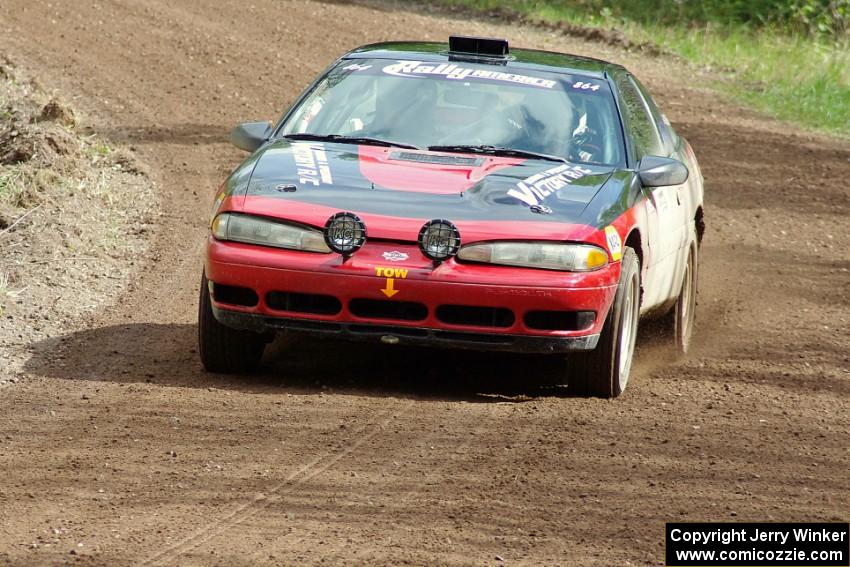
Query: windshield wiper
point(496, 151)
point(350, 140)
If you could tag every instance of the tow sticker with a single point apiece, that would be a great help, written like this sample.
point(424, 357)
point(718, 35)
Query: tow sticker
point(383, 272)
point(615, 245)
point(390, 274)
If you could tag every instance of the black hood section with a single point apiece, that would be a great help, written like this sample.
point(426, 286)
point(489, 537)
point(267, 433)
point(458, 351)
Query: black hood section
point(330, 174)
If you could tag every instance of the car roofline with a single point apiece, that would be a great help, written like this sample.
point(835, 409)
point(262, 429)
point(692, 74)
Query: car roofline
point(373, 51)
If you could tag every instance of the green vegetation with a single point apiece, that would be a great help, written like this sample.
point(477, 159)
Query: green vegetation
point(99, 149)
point(794, 77)
point(787, 57)
point(825, 18)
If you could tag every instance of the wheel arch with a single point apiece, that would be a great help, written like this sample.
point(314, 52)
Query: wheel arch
point(699, 223)
point(634, 240)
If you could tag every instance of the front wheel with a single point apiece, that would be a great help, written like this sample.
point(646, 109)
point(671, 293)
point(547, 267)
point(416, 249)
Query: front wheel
point(225, 350)
point(604, 371)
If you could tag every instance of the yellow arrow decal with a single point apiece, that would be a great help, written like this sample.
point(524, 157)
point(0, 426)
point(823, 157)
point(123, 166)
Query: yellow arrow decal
point(389, 291)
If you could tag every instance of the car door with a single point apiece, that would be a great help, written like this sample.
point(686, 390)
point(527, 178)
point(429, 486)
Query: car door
point(663, 206)
point(688, 195)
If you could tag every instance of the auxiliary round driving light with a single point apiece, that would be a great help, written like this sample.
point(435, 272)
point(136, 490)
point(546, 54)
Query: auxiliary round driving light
point(439, 240)
point(345, 233)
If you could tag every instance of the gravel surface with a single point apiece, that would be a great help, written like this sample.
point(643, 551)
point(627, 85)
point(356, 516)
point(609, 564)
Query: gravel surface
point(118, 449)
point(74, 214)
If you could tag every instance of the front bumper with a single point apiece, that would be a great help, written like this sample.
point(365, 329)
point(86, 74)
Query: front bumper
point(515, 294)
point(414, 336)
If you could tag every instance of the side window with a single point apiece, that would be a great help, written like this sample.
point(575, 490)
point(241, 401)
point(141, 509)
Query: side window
point(639, 121)
point(668, 135)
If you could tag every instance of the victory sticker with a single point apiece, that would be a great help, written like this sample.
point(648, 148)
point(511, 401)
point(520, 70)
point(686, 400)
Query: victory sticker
point(615, 245)
point(536, 188)
point(312, 163)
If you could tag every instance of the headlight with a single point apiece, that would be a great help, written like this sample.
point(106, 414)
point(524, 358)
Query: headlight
point(547, 256)
point(257, 230)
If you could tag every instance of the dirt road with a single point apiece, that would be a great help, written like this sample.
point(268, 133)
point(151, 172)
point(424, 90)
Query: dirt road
point(117, 449)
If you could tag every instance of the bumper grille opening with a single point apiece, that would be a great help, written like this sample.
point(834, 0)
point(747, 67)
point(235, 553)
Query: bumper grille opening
point(303, 303)
point(475, 316)
point(246, 297)
point(381, 309)
point(559, 320)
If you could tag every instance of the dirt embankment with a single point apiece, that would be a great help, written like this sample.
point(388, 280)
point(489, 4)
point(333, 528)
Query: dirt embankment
point(118, 448)
point(74, 217)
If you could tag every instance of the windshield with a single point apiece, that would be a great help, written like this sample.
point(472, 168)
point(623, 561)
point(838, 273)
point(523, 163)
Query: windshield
point(447, 106)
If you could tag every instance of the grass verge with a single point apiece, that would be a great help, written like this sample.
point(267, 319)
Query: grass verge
point(794, 77)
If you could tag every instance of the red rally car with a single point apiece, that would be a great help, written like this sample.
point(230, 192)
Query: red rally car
point(464, 196)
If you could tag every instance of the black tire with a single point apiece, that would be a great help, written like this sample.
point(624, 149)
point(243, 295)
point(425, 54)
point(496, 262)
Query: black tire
point(225, 350)
point(604, 371)
point(678, 324)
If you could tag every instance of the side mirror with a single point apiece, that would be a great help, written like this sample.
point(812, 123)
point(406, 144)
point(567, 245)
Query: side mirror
point(250, 135)
point(655, 171)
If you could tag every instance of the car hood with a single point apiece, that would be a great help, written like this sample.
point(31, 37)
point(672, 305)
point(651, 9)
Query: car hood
point(396, 190)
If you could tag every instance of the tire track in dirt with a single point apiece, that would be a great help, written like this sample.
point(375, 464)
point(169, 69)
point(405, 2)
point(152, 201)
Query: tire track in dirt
point(304, 474)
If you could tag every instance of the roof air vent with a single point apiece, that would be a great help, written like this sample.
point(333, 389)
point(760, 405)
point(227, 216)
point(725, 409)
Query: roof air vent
point(478, 47)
